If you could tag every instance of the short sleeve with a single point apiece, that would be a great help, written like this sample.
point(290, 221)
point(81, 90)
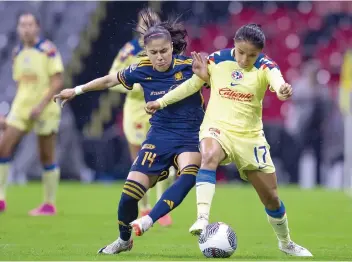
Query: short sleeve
point(129, 76)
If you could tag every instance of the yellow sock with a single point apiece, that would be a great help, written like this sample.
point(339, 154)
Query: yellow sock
point(51, 177)
point(4, 173)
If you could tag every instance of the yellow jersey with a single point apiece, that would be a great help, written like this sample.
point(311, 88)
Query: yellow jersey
point(32, 69)
point(237, 94)
point(127, 56)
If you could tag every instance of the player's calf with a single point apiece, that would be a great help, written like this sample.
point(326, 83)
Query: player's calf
point(171, 198)
point(128, 207)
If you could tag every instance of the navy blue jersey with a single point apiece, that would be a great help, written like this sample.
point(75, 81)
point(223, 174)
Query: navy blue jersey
point(179, 121)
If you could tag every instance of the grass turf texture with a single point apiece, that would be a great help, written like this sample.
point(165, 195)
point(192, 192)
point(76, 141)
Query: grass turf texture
point(319, 220)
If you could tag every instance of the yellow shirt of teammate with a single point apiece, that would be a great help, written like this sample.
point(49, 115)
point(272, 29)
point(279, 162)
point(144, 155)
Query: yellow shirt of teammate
point(32, 69)
point(234, 112)
point(135, 119)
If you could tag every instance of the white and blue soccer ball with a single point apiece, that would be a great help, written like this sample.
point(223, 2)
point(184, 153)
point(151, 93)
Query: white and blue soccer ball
point(217, 240)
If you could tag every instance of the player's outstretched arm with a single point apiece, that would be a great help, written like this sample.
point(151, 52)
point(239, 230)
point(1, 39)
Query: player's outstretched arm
point(283, 90)
point(184, 90)
point(94, 85)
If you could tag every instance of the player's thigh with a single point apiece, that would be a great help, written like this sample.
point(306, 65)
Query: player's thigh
point(266, 186)
point(213, 147)
point(154, 160)
point(47, 146)
point(188, 158)
point(252, 153)
point(143, 179)
point(9, 139)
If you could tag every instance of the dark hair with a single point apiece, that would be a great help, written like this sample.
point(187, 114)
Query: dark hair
point(252, 33)
point(172, 30)
point(36, 18)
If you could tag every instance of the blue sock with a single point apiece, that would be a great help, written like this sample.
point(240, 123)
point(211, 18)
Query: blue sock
point(175, 194)
point(206, 176)
point(278, 213)
point(128, 207)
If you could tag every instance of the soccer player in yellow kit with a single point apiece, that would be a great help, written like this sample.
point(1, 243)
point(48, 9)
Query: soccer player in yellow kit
point(135, 120)
point(232, 129)
point(38, 73)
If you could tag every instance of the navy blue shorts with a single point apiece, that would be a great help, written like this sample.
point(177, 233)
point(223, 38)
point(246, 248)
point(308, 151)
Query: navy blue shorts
point(157, 156)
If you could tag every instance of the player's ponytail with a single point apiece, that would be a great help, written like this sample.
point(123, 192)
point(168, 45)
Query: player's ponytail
point(172, 30)
point(252, 33)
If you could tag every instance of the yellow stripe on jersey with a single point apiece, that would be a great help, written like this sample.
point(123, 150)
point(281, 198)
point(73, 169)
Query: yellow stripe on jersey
point(122, 80)
point(183, 62)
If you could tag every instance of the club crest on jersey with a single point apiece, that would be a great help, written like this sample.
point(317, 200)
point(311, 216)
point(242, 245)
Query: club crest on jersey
point(178, 76)
point(237, 75)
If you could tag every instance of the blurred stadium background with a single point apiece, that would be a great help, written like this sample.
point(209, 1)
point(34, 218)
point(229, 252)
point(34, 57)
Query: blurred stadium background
point(309, 41)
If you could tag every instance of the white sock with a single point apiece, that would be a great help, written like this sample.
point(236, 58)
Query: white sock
point(4, 173)
point(205, 193)
point(50, 182)
point(280, 226)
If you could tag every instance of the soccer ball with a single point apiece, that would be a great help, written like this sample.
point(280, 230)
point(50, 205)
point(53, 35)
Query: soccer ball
point(217, 240)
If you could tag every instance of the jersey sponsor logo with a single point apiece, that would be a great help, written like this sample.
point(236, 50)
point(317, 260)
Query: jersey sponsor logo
point(237, 75)
point(178, 76)
point(235, 95)
point(148, 146)
point(157, 93)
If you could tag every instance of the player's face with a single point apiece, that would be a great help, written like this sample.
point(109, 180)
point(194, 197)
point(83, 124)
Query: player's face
point(159, 51)
point(27, 28)
point(246, 54)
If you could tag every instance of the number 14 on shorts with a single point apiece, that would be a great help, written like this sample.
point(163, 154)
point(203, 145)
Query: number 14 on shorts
point(260, 156)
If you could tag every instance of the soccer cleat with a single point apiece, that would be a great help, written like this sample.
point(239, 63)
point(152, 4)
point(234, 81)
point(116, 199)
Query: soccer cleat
point(116, 247)
point(2, 206)
point(43, 210)
point(293, 249)
point(197, 228)
point(141, 225)
point(165, 221)
point(145, 212)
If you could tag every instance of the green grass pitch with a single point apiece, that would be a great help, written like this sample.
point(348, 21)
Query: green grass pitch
point(320, 220)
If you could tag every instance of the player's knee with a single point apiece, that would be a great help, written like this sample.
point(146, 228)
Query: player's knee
point(210, 160)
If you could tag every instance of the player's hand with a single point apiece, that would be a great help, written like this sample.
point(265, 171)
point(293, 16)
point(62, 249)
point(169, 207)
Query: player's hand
point(200, 66)
point(35, 113)
point(285, 92)
point(152, 107)
point(65, 96)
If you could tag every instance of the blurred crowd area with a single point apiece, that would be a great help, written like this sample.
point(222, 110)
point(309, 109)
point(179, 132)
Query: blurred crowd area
point(308, 40)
